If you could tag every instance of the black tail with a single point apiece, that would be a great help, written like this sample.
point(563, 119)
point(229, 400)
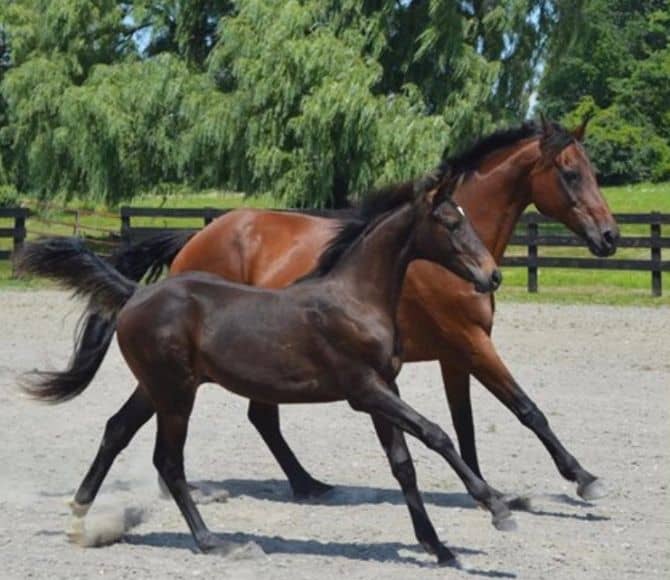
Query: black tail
point(97, 330)
point(151, 255)
point(70, 263)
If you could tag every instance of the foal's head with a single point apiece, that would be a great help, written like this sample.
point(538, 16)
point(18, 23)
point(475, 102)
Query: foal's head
point(444, 235)
point(563, 186)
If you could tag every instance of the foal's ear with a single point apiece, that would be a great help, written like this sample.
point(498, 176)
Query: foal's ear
point(580, 131)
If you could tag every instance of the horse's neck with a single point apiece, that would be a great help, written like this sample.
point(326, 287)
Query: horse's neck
point(495, 195)
point(375, 266)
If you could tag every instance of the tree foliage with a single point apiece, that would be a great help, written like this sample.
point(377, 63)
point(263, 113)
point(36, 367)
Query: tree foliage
point(310, 99)
point(615, 62)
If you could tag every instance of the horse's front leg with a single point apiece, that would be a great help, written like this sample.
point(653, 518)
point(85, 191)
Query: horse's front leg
point(265, 418)
point(490, 370)
point(402, 467)
point(377, 398)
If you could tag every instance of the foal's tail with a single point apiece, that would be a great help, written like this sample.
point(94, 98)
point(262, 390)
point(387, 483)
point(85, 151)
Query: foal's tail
point(69, 262)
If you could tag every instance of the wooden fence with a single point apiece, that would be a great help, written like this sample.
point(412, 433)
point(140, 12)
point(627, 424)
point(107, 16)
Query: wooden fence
point(17, 232)
point(532, 239)
point(528, 235)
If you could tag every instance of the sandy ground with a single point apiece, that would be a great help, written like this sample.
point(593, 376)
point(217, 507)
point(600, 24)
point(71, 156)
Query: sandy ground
point(602, 376)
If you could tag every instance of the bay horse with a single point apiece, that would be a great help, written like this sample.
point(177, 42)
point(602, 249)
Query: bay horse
point(331, 336)
point(440, 316)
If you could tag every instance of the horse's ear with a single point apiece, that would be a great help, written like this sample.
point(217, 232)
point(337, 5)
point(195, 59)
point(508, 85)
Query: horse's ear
point(580, 131)
point(547, 127)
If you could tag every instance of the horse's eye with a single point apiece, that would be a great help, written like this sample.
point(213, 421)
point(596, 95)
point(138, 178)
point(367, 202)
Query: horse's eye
point(571, 176)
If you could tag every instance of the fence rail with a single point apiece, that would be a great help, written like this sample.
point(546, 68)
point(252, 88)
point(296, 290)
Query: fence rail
point(527, 235)
point(533, 240)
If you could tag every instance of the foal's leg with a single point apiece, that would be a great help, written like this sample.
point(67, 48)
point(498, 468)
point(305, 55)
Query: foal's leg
point(490, 370)
point(169, 461)
point(119, 430)
point(457, 387)
point(265, 418)
point(395, 446)
point(375, 397)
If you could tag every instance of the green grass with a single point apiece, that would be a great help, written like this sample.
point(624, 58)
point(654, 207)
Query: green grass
point(555, 285)
point(640, 198)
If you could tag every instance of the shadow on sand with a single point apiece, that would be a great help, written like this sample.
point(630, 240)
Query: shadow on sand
point(347, 495)
point(385, 552)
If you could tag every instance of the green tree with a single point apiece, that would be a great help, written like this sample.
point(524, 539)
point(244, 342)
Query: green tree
point(615, 61)
point(310, 99)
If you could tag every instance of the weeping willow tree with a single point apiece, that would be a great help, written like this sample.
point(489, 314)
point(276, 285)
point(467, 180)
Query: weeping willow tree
point(312, 100)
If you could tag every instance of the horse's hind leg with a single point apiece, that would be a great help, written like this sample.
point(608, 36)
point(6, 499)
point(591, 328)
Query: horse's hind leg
point(169, 461)
point(457, 387)
point(266, 420)
point(119, 430)
point(395, 446)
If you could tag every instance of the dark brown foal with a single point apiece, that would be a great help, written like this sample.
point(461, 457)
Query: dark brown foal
point(330, 337)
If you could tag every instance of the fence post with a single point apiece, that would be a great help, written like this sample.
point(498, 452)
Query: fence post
point(656, 283)
point(532, 253)
point(125, 225)
point(208, 217)
point(19, 234)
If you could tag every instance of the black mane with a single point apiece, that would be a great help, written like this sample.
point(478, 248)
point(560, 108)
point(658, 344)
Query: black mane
point(471, 157)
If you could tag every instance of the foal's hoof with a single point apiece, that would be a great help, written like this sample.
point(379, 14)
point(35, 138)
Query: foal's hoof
point(76, 531)
point(450, 561)
point(312, 490)
point(445, 557)
point(592, 490)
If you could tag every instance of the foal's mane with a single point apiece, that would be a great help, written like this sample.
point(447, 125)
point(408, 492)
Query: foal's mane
point(374, 205)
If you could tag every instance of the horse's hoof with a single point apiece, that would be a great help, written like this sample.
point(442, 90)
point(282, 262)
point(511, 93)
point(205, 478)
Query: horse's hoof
point(504, 523)
point(521, 503)
point(592, 490)
point(313, 490)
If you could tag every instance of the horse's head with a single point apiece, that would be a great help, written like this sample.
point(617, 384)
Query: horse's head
point(445, 235)
point(563, 186)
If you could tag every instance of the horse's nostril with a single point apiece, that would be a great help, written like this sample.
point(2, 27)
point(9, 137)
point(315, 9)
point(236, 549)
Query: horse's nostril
point(496, 278)
point(610, 237)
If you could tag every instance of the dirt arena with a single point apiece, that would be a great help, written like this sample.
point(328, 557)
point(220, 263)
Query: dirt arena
point(602, 376)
